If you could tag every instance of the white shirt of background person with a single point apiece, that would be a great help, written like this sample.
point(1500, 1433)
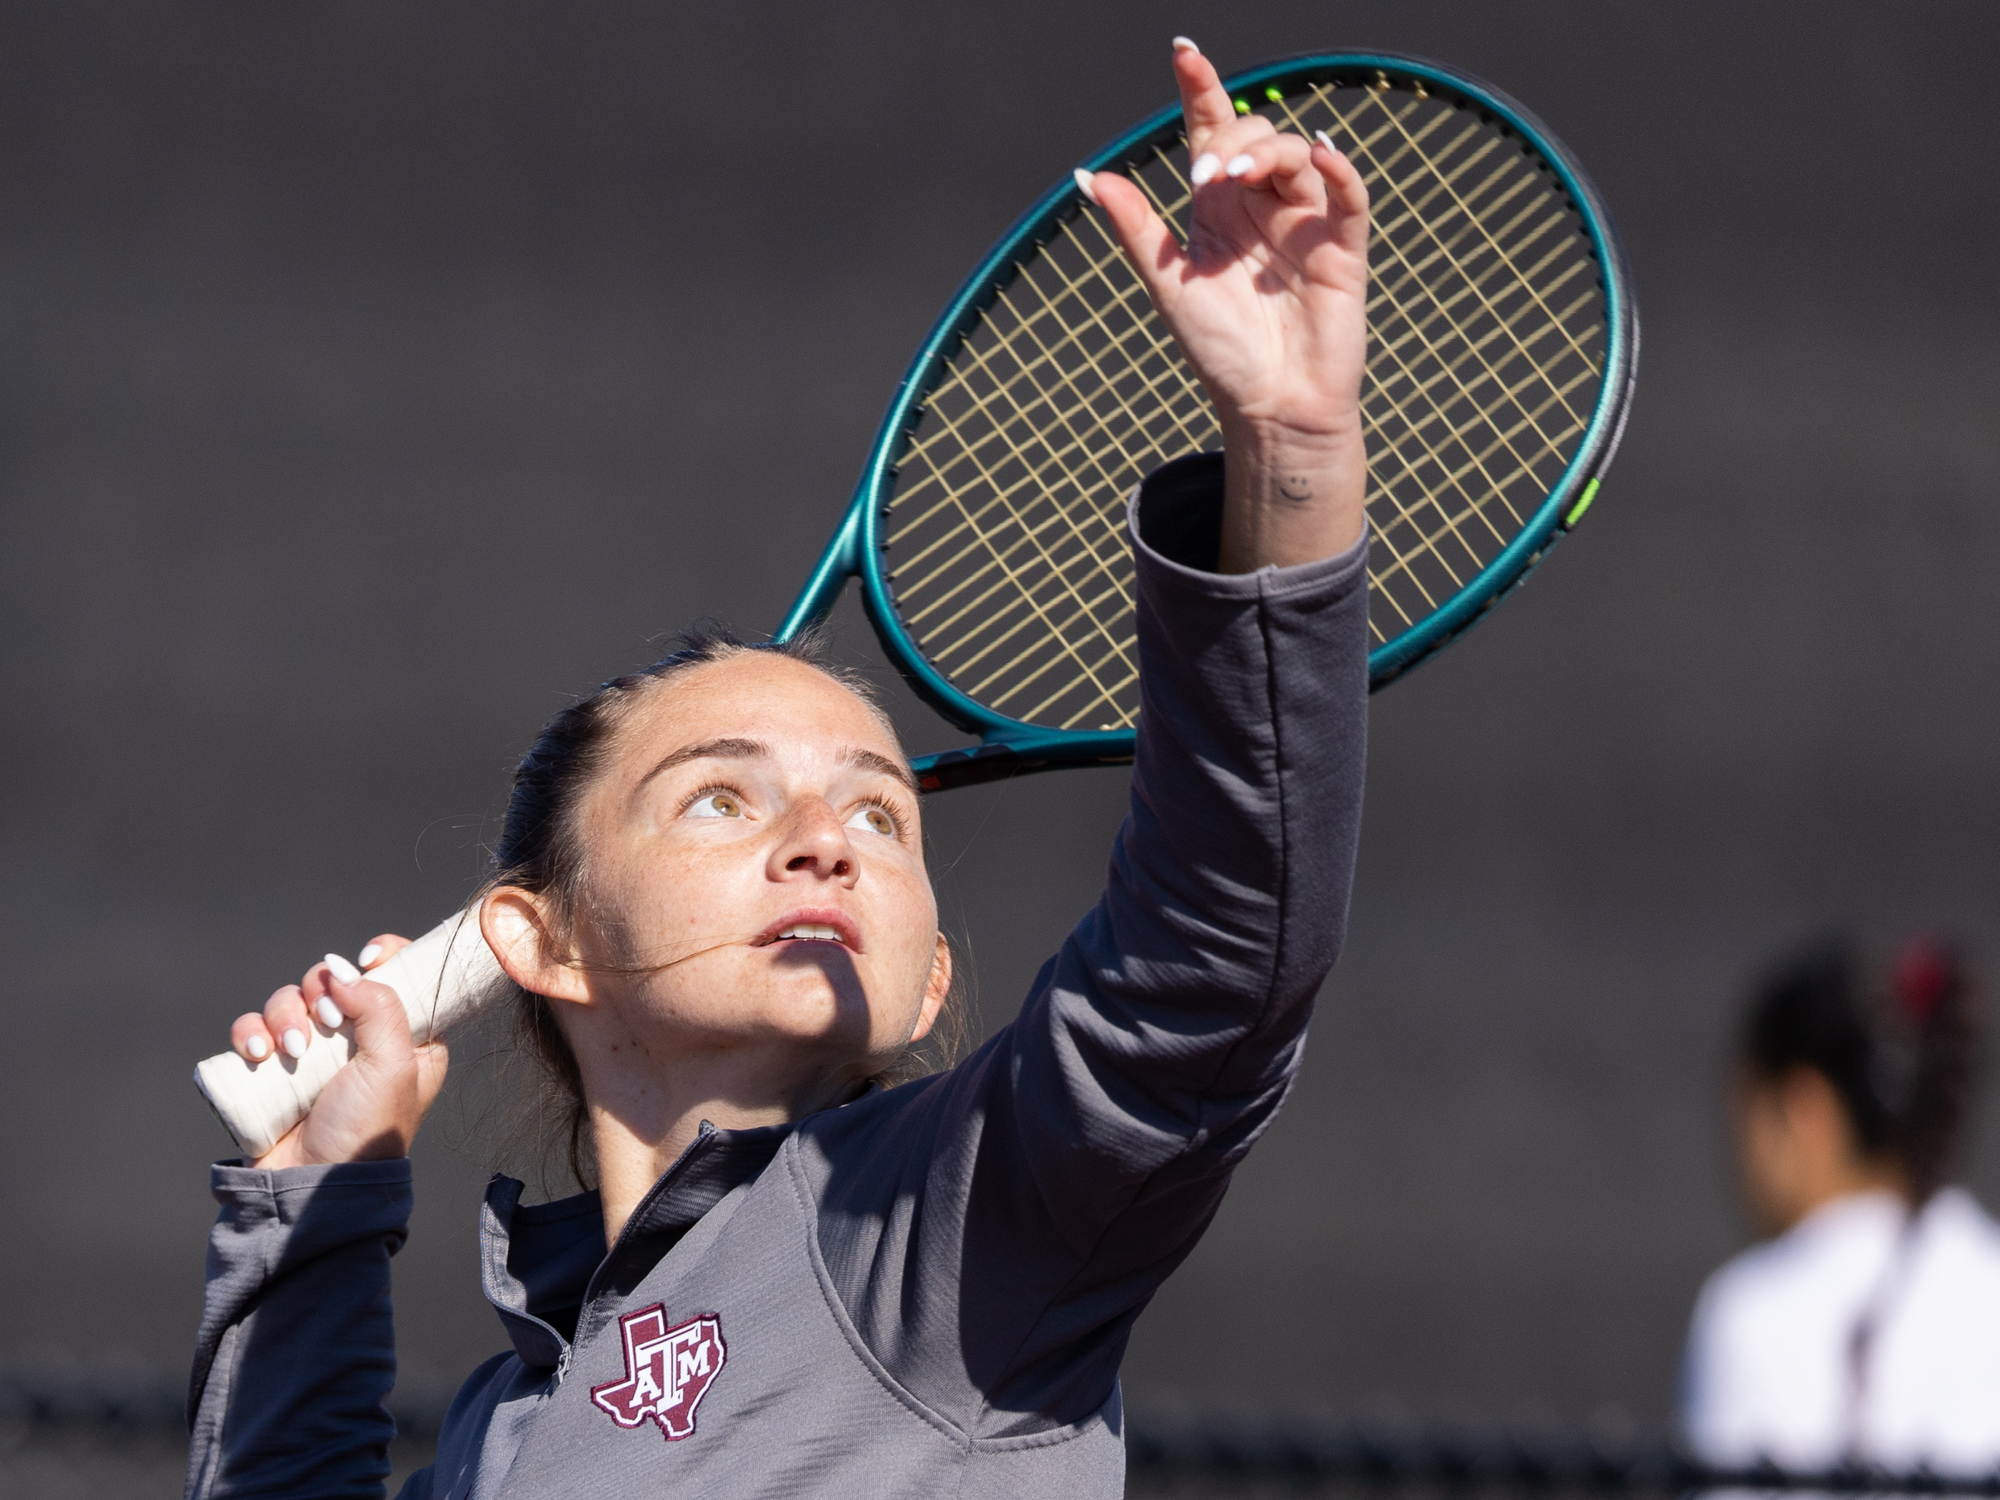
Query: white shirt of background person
point(1768, 1361)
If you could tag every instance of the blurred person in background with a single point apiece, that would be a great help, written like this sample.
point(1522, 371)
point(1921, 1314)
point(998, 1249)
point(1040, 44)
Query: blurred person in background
point(1866, 1328)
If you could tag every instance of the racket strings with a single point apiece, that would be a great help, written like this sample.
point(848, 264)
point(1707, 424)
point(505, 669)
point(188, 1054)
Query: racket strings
point(1007, 559)
point(1499, 425)
point(1027, 423)
point(1062, 543)
point(1068, 386)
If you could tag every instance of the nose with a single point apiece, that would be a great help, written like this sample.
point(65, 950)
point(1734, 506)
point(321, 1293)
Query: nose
point(814, 845)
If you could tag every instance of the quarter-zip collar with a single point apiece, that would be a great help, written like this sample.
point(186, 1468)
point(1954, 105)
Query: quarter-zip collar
point(545, 1269)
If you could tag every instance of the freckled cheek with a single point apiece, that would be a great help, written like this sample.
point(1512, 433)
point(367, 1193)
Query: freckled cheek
point(908, 914)
point(908, 892)
point(697, 891)
point(677, 890)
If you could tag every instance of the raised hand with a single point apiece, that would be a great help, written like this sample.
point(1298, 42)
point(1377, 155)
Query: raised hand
point(372, 1107)
point(1268, 301)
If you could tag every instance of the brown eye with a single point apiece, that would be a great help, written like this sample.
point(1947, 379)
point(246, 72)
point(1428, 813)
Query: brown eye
point(875, 820)
point(715, 805)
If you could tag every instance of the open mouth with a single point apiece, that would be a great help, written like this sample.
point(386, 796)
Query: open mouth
point(812, 927)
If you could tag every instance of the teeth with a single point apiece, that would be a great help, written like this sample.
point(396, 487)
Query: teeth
point(812, 930)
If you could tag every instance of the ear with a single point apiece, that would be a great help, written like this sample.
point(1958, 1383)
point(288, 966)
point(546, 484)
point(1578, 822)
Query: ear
point(935, 991)
point(516, 926)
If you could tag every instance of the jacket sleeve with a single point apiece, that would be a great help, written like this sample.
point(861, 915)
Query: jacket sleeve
point(1051, 1182)
point(297, 1345)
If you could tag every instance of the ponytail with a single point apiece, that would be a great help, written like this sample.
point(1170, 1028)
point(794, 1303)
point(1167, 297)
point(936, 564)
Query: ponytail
point(1933, 1040)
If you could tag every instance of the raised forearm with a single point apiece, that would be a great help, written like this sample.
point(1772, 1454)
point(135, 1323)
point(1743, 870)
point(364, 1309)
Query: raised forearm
point(1291, 497)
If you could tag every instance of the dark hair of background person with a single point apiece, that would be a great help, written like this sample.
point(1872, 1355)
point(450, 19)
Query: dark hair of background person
point(1899, 1048)
point(541, 850)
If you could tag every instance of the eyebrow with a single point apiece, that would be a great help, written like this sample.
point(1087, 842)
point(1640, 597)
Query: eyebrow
point(722, 749)
point(868, 760)
point(735, 748)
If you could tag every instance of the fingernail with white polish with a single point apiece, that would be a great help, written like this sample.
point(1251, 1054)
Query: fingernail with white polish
point(328, 1013)
point(341, 969)
point(1321, 137)
point(367, 956)
point(294, 1041)
point(258, 1048)
point(1238, 165)
point(1182, 43)
point(1084, 186)
point(1206, 166)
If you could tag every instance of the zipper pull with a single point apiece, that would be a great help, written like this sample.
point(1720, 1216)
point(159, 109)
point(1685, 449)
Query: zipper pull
point(562, 1364)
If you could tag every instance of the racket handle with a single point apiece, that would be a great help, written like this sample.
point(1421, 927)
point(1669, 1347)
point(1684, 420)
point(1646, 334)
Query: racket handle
point(442, 976)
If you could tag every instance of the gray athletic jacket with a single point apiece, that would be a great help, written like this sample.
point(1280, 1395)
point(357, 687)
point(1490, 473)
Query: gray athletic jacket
point(927, 1291)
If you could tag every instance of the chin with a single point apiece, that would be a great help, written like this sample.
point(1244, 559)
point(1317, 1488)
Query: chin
point(819, 1016)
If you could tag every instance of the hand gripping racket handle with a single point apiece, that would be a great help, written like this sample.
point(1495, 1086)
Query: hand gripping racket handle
point(442, 976)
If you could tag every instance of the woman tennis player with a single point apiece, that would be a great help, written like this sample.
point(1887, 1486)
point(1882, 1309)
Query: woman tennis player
point(711, 893)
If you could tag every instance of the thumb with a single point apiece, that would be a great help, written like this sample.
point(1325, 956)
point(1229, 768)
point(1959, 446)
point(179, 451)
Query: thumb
point(1147, 242)
point(381, 1026)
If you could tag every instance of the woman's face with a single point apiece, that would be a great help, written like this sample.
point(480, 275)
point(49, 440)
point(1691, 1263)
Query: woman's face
point(1796, 1148)
point(754, 876)
point(1770, 1160)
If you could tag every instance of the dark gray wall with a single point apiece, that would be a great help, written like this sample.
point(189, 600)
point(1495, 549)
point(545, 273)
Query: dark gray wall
point(372, 377)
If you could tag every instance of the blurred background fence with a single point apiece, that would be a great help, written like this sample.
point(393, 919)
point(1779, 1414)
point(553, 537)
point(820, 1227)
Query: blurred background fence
point(111, 1432)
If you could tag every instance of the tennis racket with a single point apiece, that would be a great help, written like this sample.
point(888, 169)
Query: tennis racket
point(987, 530)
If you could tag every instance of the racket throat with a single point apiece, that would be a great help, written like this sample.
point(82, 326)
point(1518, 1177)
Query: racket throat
point(999, 760)
point(840, 562)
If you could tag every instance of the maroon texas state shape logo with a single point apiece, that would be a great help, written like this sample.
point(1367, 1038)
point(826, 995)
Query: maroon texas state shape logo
point(667, 1370)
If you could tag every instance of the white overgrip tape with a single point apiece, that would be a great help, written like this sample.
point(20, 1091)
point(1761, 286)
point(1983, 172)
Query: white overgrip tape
point(440, 978)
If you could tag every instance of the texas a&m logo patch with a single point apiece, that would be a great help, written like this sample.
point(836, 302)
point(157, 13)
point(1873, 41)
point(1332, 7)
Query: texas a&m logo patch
point(667, 1371)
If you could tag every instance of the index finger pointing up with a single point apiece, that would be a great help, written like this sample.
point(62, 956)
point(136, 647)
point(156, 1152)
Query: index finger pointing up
point(1205, 104)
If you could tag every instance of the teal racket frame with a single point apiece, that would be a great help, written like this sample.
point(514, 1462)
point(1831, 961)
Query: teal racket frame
point(1008, 747)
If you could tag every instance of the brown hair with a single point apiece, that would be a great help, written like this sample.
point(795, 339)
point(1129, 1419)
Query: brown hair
point(541, 850)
